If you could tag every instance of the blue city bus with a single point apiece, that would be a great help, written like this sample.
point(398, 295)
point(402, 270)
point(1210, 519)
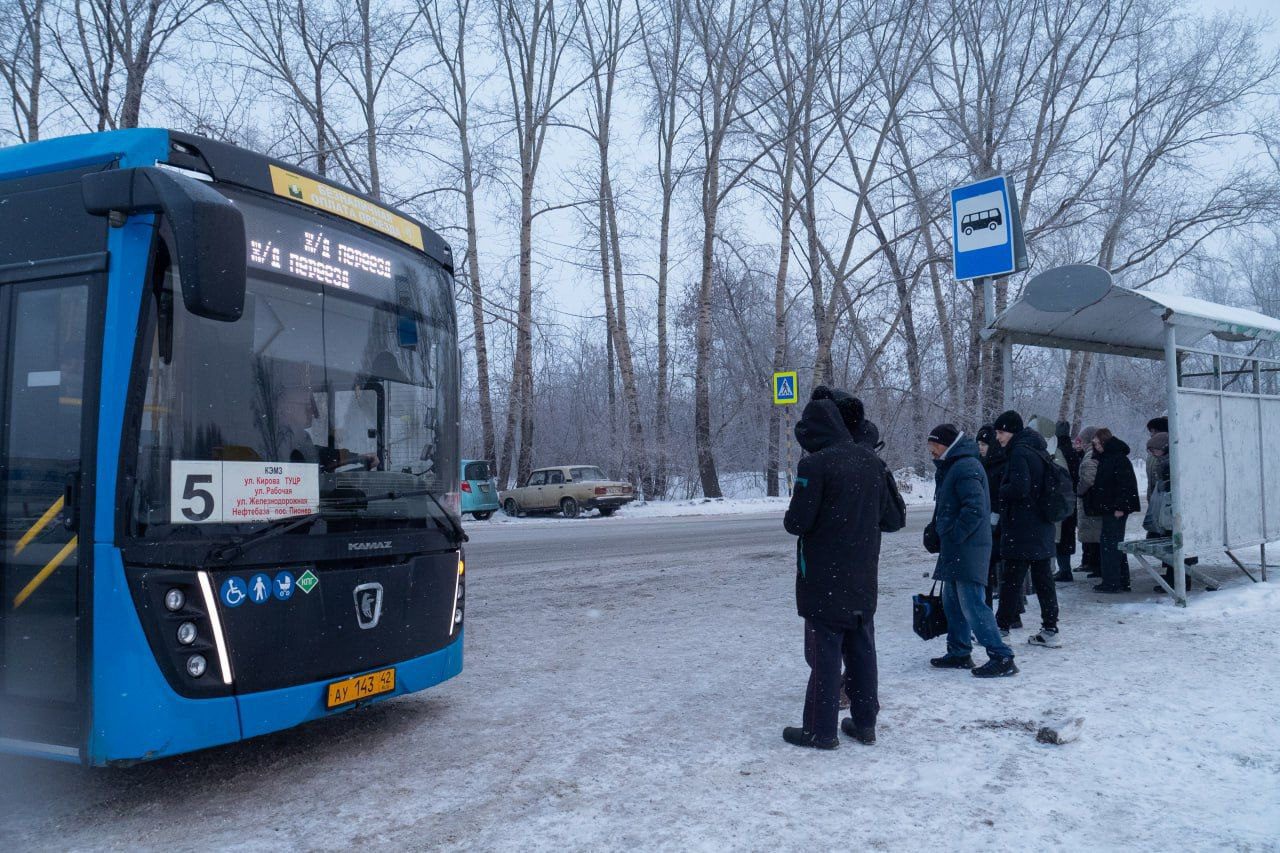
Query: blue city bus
point(228, 450)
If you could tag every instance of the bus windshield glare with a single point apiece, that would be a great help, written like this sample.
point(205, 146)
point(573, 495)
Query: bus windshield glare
point(330, 395)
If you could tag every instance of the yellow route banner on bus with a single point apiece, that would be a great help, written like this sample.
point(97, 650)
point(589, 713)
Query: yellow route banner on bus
point(330, 199)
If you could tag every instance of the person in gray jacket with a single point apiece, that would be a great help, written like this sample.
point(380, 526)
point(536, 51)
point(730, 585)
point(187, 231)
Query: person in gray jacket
point(1088, 527)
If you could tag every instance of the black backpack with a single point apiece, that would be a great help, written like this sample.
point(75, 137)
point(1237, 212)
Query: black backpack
point(1057, 493)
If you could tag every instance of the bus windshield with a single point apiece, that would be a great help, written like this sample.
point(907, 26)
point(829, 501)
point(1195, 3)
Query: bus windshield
point(333, 393)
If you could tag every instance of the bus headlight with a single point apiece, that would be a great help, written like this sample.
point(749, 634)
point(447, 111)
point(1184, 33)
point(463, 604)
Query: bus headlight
point(196, 665)
point(174, 600)
point(187, 633)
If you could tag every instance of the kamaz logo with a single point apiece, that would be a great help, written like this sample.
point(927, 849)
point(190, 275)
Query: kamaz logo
point(369, 546)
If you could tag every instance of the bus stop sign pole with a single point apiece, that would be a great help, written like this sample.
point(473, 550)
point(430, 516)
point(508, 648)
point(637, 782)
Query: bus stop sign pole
point(987, 243)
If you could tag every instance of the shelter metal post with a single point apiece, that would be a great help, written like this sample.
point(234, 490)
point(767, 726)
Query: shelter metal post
point(1171, 375)
point(1262, 449)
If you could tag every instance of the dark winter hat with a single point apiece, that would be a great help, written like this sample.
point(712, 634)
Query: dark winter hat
point(1160, 424)
point(1159, 441)
point(1064, 430)
point(987, 434)
point(944, 434)
point(1009, 421)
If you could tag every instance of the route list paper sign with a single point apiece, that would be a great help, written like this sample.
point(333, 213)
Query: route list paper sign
point(238, 492)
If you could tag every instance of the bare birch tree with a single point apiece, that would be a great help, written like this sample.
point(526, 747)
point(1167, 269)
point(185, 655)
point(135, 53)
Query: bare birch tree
point(108, 48)
point(532, 38)
point(449, 29)
point(22, 64)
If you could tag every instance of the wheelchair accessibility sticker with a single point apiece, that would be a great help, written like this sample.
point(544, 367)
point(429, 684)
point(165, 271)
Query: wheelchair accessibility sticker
point(234, 592)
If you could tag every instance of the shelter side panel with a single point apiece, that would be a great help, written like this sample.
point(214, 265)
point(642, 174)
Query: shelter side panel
point(1200, 477)
point(1270, 463)
point(1241, 421)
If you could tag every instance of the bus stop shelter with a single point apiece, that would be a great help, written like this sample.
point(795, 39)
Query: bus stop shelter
point(1222, 398)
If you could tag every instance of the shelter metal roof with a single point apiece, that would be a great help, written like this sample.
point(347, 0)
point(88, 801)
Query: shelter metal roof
point(1077, 307)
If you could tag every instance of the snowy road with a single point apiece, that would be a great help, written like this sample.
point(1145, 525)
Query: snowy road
point(625, 686)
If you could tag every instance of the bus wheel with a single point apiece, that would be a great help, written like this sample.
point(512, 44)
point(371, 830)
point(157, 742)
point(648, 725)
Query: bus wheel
point(569, 507)
point(484, 515)
point(968, 230)
point(511, 508)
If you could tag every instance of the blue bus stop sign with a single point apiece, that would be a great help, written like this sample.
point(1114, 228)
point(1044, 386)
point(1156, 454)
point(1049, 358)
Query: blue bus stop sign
point(986, 230)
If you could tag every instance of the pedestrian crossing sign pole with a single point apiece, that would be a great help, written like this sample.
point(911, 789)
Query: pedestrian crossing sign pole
point(786, 393)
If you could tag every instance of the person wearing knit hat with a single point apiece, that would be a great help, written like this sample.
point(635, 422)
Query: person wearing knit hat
point(962, 508)
point(1009, 422)
point(943, 435)
point(1088, 527)
point(1027, 543)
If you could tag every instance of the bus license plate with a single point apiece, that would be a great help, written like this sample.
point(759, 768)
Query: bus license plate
point(350, 690)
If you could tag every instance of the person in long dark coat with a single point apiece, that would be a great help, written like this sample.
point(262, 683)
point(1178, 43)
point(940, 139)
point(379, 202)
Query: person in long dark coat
point(1026, 537)
point(1114, 496)
point(962, 519)
point(838, 510)
point(1067, 527)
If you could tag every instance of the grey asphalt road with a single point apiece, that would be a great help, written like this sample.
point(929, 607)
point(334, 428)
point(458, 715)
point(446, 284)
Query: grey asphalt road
point(586, 642)
point(531, 547)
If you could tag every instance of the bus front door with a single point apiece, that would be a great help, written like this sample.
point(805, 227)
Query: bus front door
point(43, 568)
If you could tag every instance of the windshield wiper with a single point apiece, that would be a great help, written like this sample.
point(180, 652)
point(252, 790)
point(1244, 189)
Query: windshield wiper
point(453, 529)
point(273, 529)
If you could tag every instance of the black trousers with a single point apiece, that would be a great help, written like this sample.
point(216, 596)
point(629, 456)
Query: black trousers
point(825, 648)
point(1115, 563)
point(1014, 574)
point(1092, 555)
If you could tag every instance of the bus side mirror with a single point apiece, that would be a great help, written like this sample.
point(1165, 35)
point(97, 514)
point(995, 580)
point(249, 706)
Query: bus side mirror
point(208, 231)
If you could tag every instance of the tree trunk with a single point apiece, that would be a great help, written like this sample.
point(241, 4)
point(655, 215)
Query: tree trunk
point(772, 463)
point(524, 325)
point(477, 291)
point(702, 339)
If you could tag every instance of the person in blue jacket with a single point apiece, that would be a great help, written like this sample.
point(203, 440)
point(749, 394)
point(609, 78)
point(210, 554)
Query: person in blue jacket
point(962, 519)
point(839, 508)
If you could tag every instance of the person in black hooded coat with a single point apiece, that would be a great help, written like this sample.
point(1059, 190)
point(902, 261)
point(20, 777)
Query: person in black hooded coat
point(838, 509)
point(1114, 496)
point(1026, 537)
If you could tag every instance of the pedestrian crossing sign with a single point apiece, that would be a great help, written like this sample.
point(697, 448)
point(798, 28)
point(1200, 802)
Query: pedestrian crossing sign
point(784, 389)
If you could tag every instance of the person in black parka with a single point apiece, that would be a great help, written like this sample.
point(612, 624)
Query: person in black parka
point(1026, 537)
point(962, 519)
point(838, 509)
point(1114, 496)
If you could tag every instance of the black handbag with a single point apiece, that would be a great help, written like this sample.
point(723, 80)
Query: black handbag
point(927, 616)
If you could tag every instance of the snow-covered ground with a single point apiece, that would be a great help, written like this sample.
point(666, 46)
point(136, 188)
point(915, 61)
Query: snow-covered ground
point(626, 686)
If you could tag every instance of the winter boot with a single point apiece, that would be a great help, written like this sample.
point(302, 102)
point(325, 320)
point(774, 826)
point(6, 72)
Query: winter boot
point(797, 736)
point(1048, 639)
point(996, 668)
point(1063, 577)
point(952, 662)
point(865, 735)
